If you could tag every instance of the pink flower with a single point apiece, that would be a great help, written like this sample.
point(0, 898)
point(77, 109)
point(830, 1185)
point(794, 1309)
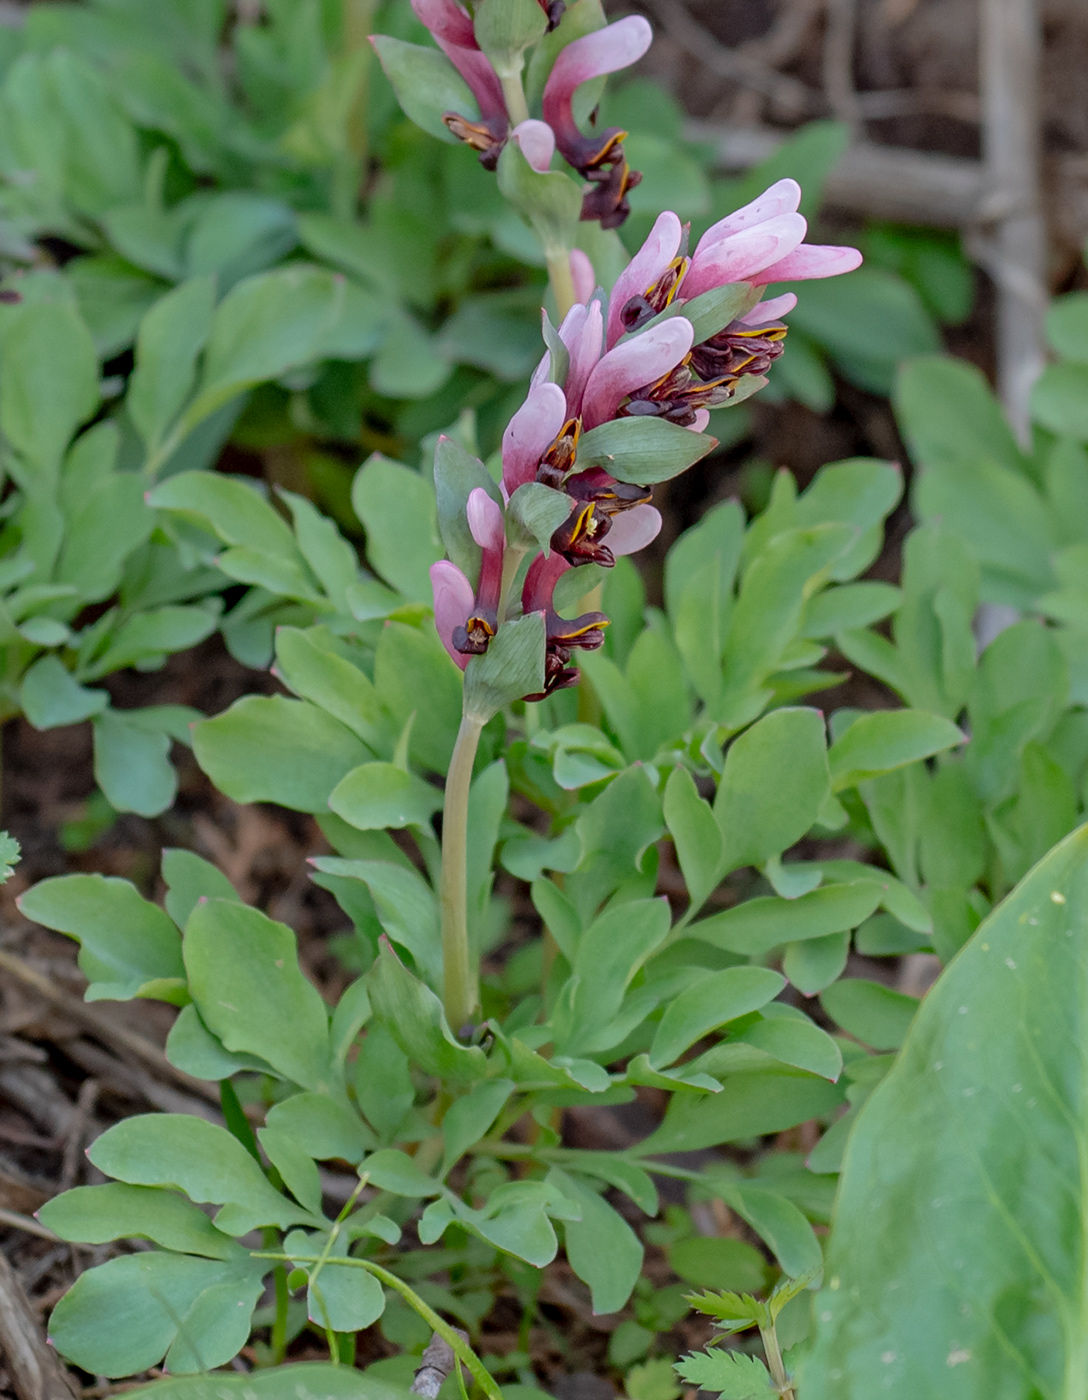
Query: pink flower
point(562, 634)
point(582, 275)
point(466, 620)
point(536, 141)
point(529, 434)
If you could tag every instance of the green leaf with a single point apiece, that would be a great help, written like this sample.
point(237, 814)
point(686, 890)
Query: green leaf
point(405, 903)
point(380, 795)
point(247, 985)
point(709, 1003)
point(1067, 326)
point(171, 336)
point(870, 1011)
point(271, 749)
point(322, 1126)
point(237, 513)
point(415, 679)
point(132, 765)
point(344, 1299)
point(469, 1117)
point(192, 1155)
point(263, 327)
point(716, 1262)
point(150, 635)
point(126, 943)
point(51, 696)
point(189, 878)
point(885, 740)
point(48, 382)
point(426, 83)
point(756, 926)
point(122, 1317)
point(395, 1171)
point(10, 851)
point(414, 1017)
point(752, 1103)
point(549, 200)
point(602, 1249)
point(695, 833)
point(774, 782)
point(193, 1049)
point(512, 666)
point(643, 450)
point(538, 511)
point(457, 474)
point(815, 962)
point(780, 1224)
point(794, 1040)
point(306, 1380)
point(98, 1214)
point(1058, 400)
point(397, 507)
point(978, 1247)
point(733, 1375)
point(310, 666)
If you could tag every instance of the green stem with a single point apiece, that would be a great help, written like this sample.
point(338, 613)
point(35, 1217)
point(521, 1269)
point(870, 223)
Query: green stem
point(459, 991)
point(775, 1364)
point(561, 279)
point(511, 563)
point(514, 94)
point(461, 1349)
point(279, 1322)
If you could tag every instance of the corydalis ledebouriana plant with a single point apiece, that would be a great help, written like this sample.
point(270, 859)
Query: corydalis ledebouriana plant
point(624, 359)
point(501, 110)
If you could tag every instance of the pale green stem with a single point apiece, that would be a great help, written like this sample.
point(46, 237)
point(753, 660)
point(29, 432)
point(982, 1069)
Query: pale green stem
point(511, 563)
point(517, 109)
point(561, 279)
point(459, 991)
point(775, 1364)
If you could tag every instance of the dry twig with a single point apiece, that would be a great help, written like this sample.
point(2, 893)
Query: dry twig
point(35, 1370)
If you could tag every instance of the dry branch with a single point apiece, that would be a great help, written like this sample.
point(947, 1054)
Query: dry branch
point(35, 1371)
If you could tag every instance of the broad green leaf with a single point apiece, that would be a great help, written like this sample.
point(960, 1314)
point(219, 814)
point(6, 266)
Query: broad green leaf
point(413, 1015)
point(122, 1317)
point(115, 1211)
point(1058, 400)
point(193, 1049)
point(887, 739)
point(751, 1103)
point(609, 954)
point(189, 878)
point(405, 903)
point(295, 1166)
point(602, 1249)
point(306, 1380)
point(48, 383)
point(795, 1040)
point(779, 1223)
point(316, 672)
point(756, 926)
point(324, 1127)
point(51, 696)
point(774, 782)
point(870, 1011)
point(457, 473)
point(125, 941)
point(695, 834)
point(170, 338)
point(512, 667)
point(150, 635)
point(237, 513)
point(414, 677)
point(718, 1262)
point(205, 1161)
point(247, 985)
point(271, 749)
point(538, 512)
point(395, 1171)
point(970, 1155)
point(643, 450)
point(331, 558)
point(709, 1003)
point(397, 507)
point(1067, 326)
point(380, 795)
point(814, 963)
point(132, 764)
point(426, 83)
point(469, 1117)
point(344, 1299)
point(264, 326)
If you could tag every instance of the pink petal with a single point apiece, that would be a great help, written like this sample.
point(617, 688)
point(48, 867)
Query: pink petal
point(634, 529)
point(644, 269)
point(537, 142)
point(446, 20)
point(453, 603)
point(581, 333)
point(607, 50)
point(740, 256)
point(638, 361)
point(581, 270)
point(540, 581)
point(702, 418)
point(771, 310)
point(485, 520)
point(808, 262)
point(530, 433)
point(783, 197)
point(477, 71)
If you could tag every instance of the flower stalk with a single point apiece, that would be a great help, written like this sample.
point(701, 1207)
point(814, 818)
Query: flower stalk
point(460, 992)
point(561, 279)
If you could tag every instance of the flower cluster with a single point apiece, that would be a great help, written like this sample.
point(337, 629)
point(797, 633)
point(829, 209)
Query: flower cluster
point(599, 157)
point(623, 359)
